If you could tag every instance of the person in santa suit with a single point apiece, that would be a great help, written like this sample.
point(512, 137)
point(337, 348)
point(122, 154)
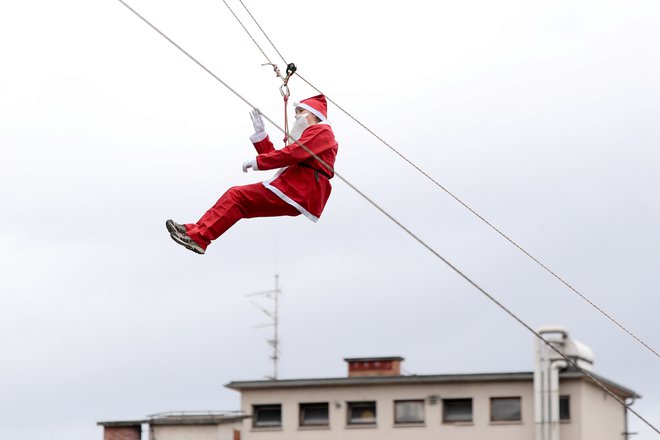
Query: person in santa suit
point(300, 186)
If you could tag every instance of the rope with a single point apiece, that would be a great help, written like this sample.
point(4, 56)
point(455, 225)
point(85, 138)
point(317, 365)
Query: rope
point(286, 120)
point(408, 231)
point(464, 204)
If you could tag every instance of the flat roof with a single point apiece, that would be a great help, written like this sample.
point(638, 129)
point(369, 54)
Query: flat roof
point(419, 380)
point(121, 423)
point(180, 418)
point(200, 419)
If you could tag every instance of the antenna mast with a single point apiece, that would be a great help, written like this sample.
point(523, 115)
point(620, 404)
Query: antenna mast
point(273, 314)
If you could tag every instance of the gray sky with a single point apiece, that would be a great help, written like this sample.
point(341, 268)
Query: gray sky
point(544, 118)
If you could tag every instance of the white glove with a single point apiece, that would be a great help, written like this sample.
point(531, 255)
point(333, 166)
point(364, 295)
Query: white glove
point(252, 163)
point(258, 124)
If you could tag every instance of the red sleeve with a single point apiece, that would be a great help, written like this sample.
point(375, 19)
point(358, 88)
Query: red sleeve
point(263, 146)
point(316, 138)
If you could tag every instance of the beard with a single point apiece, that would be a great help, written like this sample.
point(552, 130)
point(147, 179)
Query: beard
point(298, 127)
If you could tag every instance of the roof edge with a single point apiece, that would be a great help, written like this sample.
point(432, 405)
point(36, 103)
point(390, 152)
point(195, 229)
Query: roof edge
point(421, 379)
point(121, 423)
point(377, 380)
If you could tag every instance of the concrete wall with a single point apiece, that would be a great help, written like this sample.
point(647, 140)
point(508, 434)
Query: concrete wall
point(592, 415)
point(385, 429)
point(572, 429)
point(194, 432)
point(602, 415)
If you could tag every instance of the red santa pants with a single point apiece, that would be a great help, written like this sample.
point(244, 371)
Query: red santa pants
point(238, 202)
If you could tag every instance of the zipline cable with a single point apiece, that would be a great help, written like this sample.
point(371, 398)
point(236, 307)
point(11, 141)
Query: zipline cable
point(260, 28)
point(452, 195)
point(290, 70)
point(404, 228)
point(248, 32)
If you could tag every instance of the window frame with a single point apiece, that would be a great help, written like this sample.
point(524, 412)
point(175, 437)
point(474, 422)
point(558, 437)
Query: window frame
point(408, 423)
point(261, 407)
point(458, 399)
point(507, 420)
point(301, 417)
point(351, 405)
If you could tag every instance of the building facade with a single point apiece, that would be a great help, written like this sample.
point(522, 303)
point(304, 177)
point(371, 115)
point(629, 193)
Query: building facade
point(559, 400)
point(388, 406)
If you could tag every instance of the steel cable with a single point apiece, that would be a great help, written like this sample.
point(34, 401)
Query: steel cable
point(247, 31)
point(404, 228)
point(455, 197)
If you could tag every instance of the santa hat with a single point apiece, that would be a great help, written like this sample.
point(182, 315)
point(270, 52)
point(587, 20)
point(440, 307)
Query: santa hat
point(316, 105)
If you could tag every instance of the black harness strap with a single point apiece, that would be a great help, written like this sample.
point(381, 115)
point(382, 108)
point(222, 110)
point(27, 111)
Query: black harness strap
point(316, 171)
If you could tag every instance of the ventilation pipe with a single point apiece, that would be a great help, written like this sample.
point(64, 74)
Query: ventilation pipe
point(546, 377)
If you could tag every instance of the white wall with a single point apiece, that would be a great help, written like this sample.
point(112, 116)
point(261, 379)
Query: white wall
point(593, 416)
point(602, 415)
point(194, 432)
point(385, 429)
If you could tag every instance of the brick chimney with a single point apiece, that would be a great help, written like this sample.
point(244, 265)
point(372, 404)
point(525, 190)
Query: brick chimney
point(122, 430)
point(374, 366)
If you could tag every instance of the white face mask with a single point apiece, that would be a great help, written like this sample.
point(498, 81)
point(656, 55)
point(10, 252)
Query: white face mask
point(299, 126)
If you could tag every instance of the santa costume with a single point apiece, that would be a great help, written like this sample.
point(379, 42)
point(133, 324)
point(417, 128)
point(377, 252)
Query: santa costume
point(300, 186)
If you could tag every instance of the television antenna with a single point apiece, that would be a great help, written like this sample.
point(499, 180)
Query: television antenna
point(273, 313)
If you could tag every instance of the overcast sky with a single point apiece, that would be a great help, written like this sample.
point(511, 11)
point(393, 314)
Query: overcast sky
point(542, 116)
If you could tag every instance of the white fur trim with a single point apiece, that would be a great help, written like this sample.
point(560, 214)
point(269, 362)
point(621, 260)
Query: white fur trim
point(286, 198)
point(258, 137)
point(254, 164)
point(315, 112)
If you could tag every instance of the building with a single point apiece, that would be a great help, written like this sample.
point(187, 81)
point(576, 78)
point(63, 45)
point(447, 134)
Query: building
point(375, 401)
point(178, 426)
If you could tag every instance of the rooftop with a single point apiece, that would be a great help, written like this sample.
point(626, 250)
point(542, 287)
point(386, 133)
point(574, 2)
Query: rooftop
point(181, 418)
point(421, 380)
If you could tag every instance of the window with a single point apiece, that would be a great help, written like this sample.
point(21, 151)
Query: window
point(456, 410)
point(409, 411)
point(564, 407)
point(505, 409)
point(266, 416)
point(361, 413)
point(314, 414)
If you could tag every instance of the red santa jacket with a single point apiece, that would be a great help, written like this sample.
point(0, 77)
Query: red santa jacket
point(302, 181)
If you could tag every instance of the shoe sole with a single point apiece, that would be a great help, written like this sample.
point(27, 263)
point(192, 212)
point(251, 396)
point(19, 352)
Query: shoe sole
point(187, 245)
